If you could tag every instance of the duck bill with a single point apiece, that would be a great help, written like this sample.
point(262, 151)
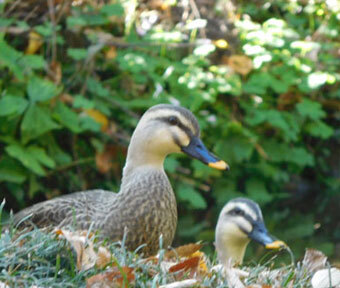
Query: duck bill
point(196, 149)
point(261, 235)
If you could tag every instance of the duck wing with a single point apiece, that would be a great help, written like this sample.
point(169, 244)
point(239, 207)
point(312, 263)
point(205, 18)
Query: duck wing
point(79, 209)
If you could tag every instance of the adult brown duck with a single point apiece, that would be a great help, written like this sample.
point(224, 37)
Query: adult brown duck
point(145, 207)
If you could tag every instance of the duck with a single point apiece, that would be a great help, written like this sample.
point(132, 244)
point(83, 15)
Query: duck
point(239, 222)
point(145, 207)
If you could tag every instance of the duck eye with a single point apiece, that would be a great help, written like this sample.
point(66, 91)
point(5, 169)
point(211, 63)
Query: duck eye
point(238, 212)
point(173, 120)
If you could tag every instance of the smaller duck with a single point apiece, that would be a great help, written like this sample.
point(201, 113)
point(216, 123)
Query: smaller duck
point(240, 221)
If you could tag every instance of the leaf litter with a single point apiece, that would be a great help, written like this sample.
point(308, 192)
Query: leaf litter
point(105, 265)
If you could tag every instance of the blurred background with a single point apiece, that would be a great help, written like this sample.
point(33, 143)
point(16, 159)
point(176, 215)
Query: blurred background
point(262, 77)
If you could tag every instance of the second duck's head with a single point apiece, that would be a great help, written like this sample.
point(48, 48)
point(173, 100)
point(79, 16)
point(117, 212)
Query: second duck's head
point(241, 221)
point(165, 129)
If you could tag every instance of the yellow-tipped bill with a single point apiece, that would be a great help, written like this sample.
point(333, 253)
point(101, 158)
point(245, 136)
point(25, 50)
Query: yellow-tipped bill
point(220, 165)
point(278, 244)
point(196, 149)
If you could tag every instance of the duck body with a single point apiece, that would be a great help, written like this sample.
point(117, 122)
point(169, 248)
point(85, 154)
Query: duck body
point(145, 207)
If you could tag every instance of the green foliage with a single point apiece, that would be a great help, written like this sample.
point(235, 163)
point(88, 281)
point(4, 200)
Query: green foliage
point(277, 124)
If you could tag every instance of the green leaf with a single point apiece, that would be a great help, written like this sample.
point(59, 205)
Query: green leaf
point(73, 21)
point(303, 227)
point(319, 129)
point(97, 88)
point(77, 53)
point(112, 10)
point(67, 117)
point(12, 105)
point(39, 89)
point(301, 157)
point(276, 151)
point(310, 109)
point(87, 123)
point(41, 156)
point(187, 193)
point(33, 61)
point(9, 57)
point(11, 171)
point(281, 152)
point(29, 161)
point(82, 102)
point(235, 148)
point(95, 19)
point(36, 122)
point(258, 83)
point(224, 190)
point(170, 164)
point(257, 191)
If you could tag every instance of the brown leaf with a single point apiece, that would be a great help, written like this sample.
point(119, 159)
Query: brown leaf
point(83, 246)
point(113, 278)
point(158, 4)
point(183, 251)
point(240, 64)
point(99, 117)
point(86, 256)
point(104, 159)
point(314, 260)
point(288, 100)
point(34, 43)
point(104, 257)
point(66, 98)
point(55, 72)
point(188, 264)
point(111, 53)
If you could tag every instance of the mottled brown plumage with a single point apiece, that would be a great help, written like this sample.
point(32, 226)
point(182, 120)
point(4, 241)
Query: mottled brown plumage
point(145, 207)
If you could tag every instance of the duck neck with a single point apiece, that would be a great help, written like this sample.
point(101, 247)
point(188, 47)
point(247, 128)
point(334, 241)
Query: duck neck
point(232, 250)
point(141, 160)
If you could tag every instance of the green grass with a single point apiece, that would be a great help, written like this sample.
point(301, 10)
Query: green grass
point(40, 258)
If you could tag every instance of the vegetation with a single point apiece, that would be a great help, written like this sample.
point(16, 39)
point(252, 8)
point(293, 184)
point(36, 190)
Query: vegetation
point(75, 78)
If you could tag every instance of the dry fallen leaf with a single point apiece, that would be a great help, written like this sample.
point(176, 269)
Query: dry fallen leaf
point(114, 278)
point(314, 260)
point(86, 256)
point(104, 257)
point(326, 278)
point(183, 251)
point(83, 246)
point(188, 264)
point(181, 284)
point(34, 43)
point(202, 265)
point(233, 278)
point(240, 64)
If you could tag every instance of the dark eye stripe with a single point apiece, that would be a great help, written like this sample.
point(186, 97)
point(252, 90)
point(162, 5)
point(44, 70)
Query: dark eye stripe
point(179, 124)
point(244, 215)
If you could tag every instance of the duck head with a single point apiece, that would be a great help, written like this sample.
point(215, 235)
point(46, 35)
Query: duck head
point(166, 129)
point(241, 221)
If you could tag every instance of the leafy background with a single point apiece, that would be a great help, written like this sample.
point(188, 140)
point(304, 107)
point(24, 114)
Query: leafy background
point(262, 78)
